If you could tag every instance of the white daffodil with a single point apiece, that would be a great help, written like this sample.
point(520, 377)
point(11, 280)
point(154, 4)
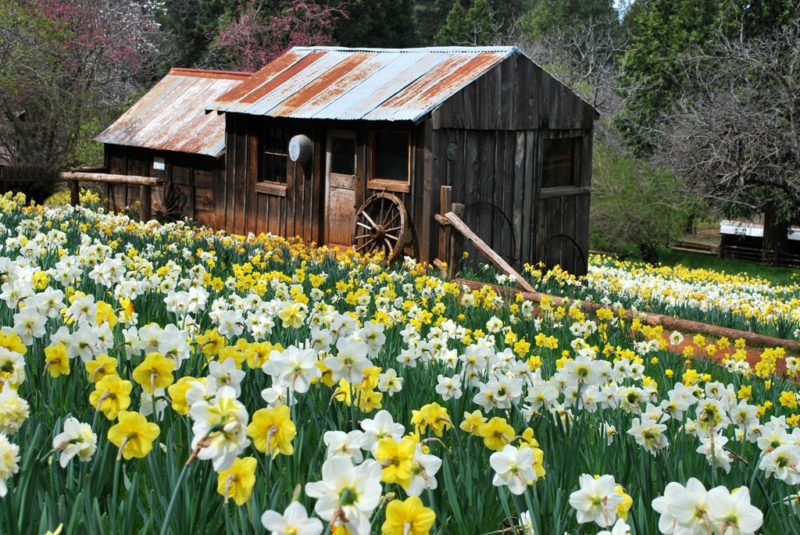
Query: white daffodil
point(390, 382)
point(9, 462)
point(14, 410)
point(341, 443)
point(350, 360)
point(382, 426)
point(226, 374)
point(713, 447)
point(513, 467)
point(448, 387)
point(76, 439)
point(347, 494)
point(424, 472)
point(293, 521)
point(732, 512)
point(220, 428)
point(293, 367)
point(596, 501)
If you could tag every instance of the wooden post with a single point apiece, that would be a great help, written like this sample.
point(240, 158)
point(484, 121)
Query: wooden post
point(445, 205)
point(455, 244)
point(145, 202)
point(74, 193)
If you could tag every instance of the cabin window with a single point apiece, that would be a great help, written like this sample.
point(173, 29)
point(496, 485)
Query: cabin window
point(390, 162)
point(343, 155)
point(559, 162)
point(274, 155)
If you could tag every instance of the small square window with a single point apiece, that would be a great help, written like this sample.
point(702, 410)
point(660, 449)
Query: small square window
point(390, 155)
point(559, 159)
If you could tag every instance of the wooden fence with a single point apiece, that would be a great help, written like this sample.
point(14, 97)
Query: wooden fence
point(145, 182)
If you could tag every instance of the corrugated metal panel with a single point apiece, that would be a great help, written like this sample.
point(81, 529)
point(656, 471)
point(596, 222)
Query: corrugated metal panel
point(172, 116)
point(353, 84)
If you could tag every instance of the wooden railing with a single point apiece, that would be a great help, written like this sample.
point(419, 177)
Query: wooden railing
point(145, 182)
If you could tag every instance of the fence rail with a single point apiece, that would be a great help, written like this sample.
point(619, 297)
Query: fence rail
point(145, 182)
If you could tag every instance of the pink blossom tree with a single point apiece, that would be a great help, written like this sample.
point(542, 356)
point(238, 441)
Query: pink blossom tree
point(254, 38)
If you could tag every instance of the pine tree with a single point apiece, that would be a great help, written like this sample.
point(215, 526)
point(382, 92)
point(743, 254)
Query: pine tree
point(469, 27)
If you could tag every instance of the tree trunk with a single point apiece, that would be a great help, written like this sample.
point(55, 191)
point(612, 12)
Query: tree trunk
point(775, 235)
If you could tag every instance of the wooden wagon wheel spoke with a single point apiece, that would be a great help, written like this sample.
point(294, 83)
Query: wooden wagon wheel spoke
point(368, 218)
point(381, 225)
point(392, 220)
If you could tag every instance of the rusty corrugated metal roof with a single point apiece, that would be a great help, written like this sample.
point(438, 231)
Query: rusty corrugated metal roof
point(171, 116)
point(360, 84)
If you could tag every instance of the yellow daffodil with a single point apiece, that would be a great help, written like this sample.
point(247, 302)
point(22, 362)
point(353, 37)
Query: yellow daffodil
point(272, 431)
point(111, 395)
point(133, 435)
point(431, 415)
point(154, 372)
point(177, 393)
point(409, 517)
point(496, 433)
point(237, 481)
point(56, 360)
point(397, 459)
point(100, 367)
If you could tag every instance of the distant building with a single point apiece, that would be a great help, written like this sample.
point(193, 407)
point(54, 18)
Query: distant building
point(168, 134)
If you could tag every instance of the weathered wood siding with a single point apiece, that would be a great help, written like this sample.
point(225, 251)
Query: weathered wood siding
point(198, 178)
point(286, 210)
point(485, 142)
point(297, 208)
point(517, 94)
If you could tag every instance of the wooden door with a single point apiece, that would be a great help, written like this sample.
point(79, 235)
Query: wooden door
point(340, 187)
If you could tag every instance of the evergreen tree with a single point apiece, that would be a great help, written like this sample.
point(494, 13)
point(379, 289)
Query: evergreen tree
point(430, 16)
point(377, 23)
point(193, 25)
point(475, 26)
point(548, 16)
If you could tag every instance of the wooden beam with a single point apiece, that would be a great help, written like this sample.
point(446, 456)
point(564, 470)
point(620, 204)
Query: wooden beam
point(145, 202)
point(445, 205)
point(668, 322)
point(106, 178)
point(487, 251)
point(74, 193)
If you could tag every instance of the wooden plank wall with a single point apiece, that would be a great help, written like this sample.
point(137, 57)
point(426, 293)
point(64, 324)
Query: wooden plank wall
point(517, 94)
point(491, 173)
point(298, 208)
point(495, 127)
point(197, 177)
point(495, 175)
point(291, 210)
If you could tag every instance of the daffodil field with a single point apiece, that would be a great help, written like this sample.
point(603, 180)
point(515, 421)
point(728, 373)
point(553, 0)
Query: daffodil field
point(163, 378)
point(729, 300)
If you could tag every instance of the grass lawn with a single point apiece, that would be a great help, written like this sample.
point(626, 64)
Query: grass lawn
point(777, 275)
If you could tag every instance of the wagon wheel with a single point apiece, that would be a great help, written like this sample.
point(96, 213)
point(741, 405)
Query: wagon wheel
point(381, 225)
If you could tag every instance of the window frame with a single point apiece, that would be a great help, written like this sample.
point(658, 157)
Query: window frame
point(398, 185)
point(577, 145)
point(265, 150)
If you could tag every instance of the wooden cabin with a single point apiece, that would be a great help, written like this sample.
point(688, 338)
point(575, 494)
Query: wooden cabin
point(168, 135)
point(319, 131)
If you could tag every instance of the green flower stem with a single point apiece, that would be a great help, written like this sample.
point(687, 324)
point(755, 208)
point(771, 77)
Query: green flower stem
point(174, 499)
